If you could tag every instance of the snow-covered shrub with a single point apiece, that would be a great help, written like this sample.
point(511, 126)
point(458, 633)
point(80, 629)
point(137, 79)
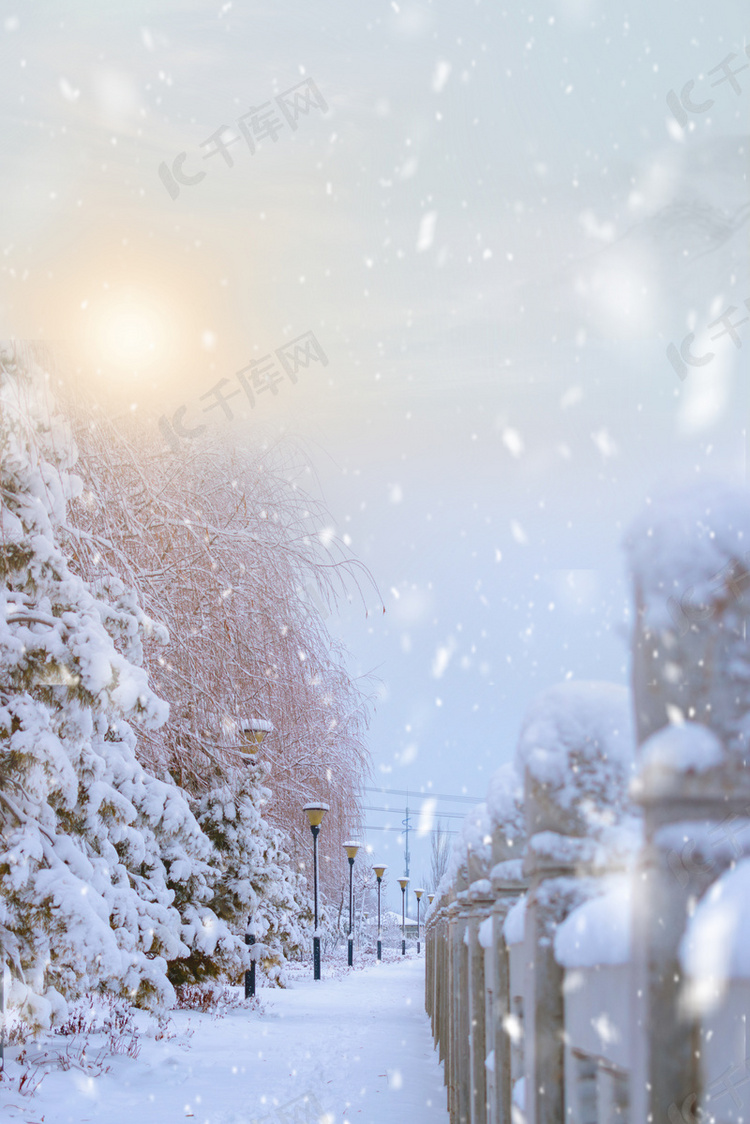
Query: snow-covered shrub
point(211, 998)
point(253, 880)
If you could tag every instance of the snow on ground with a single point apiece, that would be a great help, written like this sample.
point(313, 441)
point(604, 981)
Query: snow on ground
point(356, 1044)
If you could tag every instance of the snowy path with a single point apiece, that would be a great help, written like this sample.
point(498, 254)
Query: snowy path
point(359, 1046)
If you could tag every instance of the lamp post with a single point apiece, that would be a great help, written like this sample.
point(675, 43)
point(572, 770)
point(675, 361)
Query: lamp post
point(403, 883)
point(315, 814)
point(254, 731)
point(418, 896)
point(379, 872)
point(351, 847)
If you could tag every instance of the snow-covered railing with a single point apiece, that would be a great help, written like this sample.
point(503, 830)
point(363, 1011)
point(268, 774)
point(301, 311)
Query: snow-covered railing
point(588, 950)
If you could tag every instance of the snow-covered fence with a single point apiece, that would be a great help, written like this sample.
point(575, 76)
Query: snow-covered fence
point(541, 849)
point(588, 951)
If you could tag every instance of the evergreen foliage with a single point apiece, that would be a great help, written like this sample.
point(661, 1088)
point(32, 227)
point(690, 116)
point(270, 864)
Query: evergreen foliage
point(108, 880)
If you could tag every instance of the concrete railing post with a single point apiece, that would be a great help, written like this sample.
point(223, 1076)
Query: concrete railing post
point(544, 1013)
point(508, 884)
point(666, 1057)
point(479, 908)
point(577, 747)
point(429, 981)
point(505, 808)
point(461, 1068)
point(437, 973)
point(690, 568)
point(456, 927)
point(490, 990)
point(441, 982)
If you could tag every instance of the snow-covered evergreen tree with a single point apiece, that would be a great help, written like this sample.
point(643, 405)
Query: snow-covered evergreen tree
point(91, 845)
point(256, 880)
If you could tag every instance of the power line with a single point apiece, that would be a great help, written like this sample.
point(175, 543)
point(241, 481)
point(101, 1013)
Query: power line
point(430, 830)
point(439, 816)
point(437, 795)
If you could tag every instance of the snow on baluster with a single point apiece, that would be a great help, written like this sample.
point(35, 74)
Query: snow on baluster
point(689, 555)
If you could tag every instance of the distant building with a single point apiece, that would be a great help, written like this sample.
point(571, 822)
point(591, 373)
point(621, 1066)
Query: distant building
point(392, 920)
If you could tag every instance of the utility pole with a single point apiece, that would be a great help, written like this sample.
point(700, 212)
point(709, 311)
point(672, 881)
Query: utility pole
point(407, 825)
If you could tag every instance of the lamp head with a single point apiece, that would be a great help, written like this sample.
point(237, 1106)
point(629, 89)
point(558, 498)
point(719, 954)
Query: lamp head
point(315, 813)
point(380, 870)
point(351, 847)
point(430, 898)
point(254, 731)
point(418, 894)
point(403, 883)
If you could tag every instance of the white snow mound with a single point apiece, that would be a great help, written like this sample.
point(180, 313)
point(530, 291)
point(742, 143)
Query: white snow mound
point(716, 944)
point(598, 932)
point(681, 544)
point(578, 741)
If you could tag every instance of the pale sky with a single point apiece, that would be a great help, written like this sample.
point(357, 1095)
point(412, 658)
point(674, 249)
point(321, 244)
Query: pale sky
point(494, 229)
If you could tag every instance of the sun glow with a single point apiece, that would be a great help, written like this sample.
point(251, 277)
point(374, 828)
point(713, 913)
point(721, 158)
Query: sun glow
point(129, 331)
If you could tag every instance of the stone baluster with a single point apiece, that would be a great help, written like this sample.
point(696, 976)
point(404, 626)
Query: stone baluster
point(505, 807)
point(489, 1017)
point(457, 1043)
point(429, 981)
point(443, 985)
point(690, 663)
point(453, 1001)
point(576, 746)
point(479, 907)
point(508, 884)
point(444, 1007)
point(544, 1014)
point(436, 937)
point(462, 1060)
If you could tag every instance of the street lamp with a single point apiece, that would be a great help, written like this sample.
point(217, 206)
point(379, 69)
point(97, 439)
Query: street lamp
point(254, 731)
point(418, 896)
point(430, 898)
point(351, 847)
point(403, 883)
point(315, 814)
point(379, 872)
